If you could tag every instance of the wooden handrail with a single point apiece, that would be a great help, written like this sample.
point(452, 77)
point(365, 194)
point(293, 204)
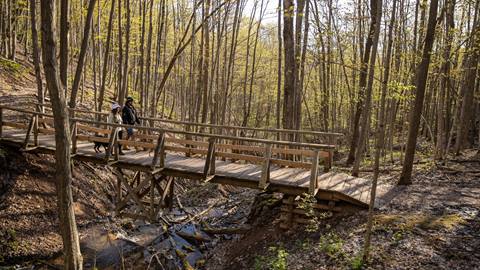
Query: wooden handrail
point(245, 139)
point(287, 143)
point(271, 130)
point(316, 152)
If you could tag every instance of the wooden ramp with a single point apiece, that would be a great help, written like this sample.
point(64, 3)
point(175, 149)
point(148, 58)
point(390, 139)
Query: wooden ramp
point(291, 168)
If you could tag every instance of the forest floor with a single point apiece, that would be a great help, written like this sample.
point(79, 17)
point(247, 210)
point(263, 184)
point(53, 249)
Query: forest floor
point(432, 224)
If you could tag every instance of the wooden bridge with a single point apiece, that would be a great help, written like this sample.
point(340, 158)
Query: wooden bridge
point(166, 149)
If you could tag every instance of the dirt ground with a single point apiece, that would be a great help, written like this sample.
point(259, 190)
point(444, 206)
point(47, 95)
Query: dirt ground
point(432, 224)
point(28, 216)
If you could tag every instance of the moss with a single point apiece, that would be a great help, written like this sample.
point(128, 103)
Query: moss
point(11, 66)
point(410, 221)
point(448, 222)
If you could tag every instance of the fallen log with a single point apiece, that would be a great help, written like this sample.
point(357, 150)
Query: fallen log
point(229, 230)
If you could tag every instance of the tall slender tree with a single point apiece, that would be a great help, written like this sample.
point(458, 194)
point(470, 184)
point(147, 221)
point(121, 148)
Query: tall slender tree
point(36, 54)
point(421, 75)
point(83, 53)
point(376, 7)
point(290, 73)
point(64, 25)
point(63, 173)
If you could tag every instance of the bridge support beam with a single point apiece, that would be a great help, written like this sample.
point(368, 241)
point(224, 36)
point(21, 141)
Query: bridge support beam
point(296, 212)
point(141, 195)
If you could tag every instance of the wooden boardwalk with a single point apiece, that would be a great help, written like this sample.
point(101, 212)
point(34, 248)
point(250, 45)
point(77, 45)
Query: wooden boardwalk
point(234, 160)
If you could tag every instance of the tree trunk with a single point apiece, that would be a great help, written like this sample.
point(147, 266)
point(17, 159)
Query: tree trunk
point(361, 91)
point(64, 43)
point(83, 53)
point(380, 133)
point(63, 173)
point(441, 112)
point(120, 51)
point(376, 8)
point(468, 86)
point(289, 69)
point(279, 66)
point(301, 75)
point(123, 90)
point(36, 54)
point(420, 84)
point(206, 62)
point(105, 58)
point(297, 99)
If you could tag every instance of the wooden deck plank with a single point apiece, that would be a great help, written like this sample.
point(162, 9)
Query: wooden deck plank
point(357, 189)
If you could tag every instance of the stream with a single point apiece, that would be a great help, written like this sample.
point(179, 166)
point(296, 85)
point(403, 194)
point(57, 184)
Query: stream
point(178, 242)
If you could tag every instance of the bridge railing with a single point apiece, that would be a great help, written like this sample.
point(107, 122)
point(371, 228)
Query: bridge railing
point(209, 146)
point(237, 131)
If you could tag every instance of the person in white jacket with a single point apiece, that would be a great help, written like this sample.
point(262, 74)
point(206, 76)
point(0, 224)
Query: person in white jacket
point(115, 118)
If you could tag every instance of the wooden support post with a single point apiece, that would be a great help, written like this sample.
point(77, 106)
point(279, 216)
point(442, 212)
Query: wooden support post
point(287, 222)
point(170, 197)
point(74, 137)
point(132, 193)
point(119, 174)
point(152, 198)
point(314, 173)
point(111, 144)
point(29, 130)
point(209, 168)
point(160, 193)
point(136, 179)
point(265, 179)
point(166, 191)
point(328, 161)
point(159, 151)
point(35, 131)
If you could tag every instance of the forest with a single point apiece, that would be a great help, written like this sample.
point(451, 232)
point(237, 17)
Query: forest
point(382, 96)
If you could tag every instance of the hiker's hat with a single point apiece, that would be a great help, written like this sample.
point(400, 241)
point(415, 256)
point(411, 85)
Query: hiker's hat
point(115, 105)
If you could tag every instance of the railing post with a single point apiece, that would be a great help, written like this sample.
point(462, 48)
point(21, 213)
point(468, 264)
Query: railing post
point(209, 168)
point(314, 173)
point(329, 161)
point(264, 181)
point(35, 130)
point(159, 151)
point(111, 143)
point(74, 137)
point(29, 130)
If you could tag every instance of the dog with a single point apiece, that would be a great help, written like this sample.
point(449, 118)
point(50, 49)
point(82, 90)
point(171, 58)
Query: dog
point(97, 146)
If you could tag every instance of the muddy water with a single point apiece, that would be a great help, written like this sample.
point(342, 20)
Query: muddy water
point(176, 247)
point(126, 244)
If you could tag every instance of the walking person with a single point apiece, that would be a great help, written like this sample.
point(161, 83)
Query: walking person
point(129, 117)
point(115, 118)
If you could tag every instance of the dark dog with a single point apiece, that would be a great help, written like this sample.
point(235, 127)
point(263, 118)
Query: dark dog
point(97, 146)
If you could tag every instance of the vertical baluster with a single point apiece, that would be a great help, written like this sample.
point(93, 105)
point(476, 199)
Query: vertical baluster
point(35, 130)
point(265, 178)
point(159, 151)
point(29, 130)
point(74, 137)
point(314, 173)
point(209, 168)
point(111, 144)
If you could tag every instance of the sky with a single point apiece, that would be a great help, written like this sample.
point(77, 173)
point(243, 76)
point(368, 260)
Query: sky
point(271, 12)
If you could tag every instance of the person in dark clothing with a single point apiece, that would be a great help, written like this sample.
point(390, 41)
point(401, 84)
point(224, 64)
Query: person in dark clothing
point(129, 117)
